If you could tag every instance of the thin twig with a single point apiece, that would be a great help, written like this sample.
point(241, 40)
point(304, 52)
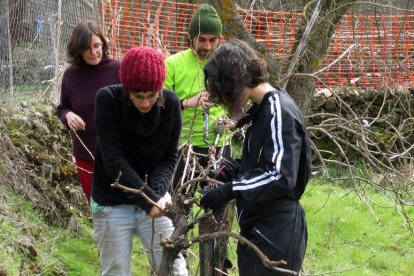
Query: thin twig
point(135, 191)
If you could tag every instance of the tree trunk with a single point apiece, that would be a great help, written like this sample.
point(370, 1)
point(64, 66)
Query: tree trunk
point(302, 88)
point(233, 27)
point(170, 254)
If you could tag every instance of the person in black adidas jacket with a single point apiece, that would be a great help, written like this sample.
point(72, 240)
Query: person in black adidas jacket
point(275, 163)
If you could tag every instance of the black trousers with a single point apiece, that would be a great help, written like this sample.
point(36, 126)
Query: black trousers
point(281, 235)
point(203, 162)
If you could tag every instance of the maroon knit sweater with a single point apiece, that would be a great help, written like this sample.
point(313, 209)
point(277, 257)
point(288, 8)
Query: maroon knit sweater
point(79, 86)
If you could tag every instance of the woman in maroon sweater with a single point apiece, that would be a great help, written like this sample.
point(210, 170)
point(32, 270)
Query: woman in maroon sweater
point(91, 69)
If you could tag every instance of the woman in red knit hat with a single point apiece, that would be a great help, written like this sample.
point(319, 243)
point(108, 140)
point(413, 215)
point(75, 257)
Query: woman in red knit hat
point(138, 126)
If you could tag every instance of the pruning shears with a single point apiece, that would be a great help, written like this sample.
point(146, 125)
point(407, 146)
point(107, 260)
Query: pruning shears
point(219, 129)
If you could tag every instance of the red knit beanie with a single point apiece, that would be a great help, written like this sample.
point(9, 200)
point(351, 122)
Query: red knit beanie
point(142, 69)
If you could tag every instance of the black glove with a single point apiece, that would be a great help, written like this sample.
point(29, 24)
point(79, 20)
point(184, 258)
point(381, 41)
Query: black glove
point(226, 171)
point(217, 198)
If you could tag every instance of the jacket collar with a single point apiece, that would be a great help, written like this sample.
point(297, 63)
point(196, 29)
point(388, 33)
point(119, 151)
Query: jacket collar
point(105, 60)
point(254, 111)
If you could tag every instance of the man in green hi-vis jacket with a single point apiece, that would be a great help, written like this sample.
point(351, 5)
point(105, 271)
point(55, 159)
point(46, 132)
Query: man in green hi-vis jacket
point(185, 76)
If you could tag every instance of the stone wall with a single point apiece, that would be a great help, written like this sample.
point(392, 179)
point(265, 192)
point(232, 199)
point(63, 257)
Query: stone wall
point(385, 116)
point(46, 147)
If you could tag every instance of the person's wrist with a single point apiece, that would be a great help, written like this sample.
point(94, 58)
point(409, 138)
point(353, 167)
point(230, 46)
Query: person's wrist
point(67, 116)
point(226, 191)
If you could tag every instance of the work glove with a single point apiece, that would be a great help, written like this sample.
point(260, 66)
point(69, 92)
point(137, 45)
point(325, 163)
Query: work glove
point(226, 171)
point(217, 198)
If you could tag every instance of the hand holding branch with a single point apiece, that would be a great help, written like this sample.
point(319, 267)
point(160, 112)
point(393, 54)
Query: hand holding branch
point(160, 205)
point(198, 100)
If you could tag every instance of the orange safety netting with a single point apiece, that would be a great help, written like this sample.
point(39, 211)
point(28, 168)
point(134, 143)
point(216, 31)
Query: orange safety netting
point(384, 54)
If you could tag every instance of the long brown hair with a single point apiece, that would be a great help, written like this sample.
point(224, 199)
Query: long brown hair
point(80, 39)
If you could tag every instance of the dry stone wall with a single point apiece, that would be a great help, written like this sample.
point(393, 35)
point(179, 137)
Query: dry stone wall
point(46, 147)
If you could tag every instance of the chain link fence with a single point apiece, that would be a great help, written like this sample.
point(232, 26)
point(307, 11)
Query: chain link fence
point(33, 36)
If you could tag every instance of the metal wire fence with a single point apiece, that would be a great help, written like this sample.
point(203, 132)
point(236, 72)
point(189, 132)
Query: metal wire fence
point(33, 36)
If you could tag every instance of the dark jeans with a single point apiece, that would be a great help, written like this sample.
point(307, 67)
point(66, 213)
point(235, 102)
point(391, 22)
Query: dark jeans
point(280, 236)
point(203, 162)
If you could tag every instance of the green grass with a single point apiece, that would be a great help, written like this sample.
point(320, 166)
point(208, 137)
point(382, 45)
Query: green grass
point(32, 88)
point(58, 251)
point(26, 93)
point(344, 237)
point(78, 255)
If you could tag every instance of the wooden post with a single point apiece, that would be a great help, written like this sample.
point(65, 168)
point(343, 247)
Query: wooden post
point(207, 267)
point(57, 52)
point(10, 53)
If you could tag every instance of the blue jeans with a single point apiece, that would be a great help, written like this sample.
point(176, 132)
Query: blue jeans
point(114, 228)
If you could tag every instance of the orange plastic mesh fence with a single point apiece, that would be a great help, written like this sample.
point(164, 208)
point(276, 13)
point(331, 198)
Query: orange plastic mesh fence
point(384, 55)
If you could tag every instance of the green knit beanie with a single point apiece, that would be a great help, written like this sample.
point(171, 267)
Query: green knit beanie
point(205, 21)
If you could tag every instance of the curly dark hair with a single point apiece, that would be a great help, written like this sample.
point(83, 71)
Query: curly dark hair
point(80, 39)
point(233, 66)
